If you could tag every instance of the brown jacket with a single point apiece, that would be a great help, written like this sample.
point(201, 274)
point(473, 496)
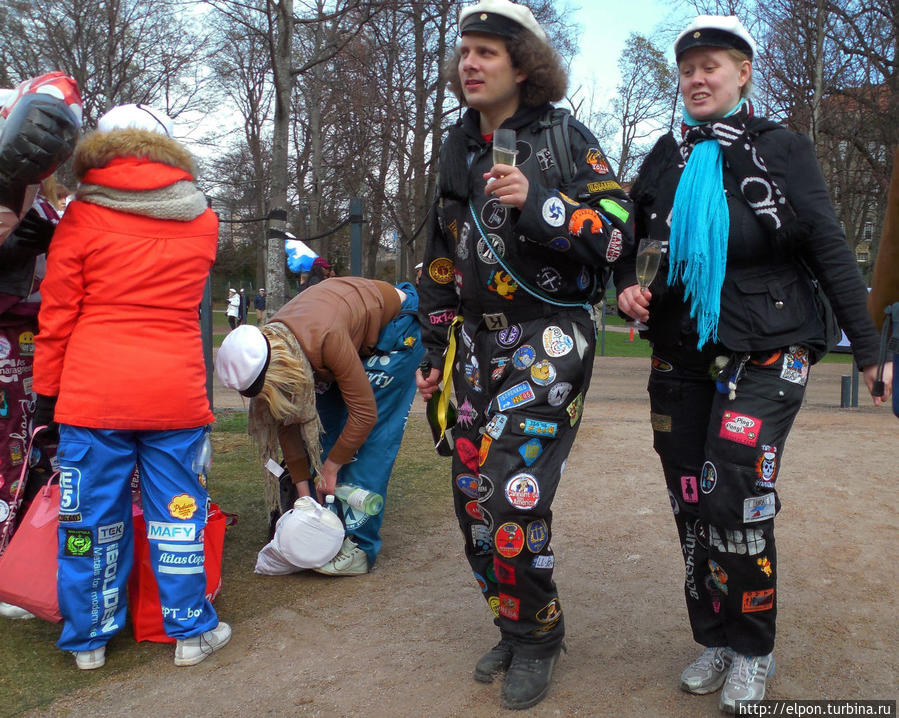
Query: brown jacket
point(336, 322)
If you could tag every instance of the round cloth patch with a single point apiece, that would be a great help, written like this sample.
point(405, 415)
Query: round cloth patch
point(441, 270)
point(509, 540)
point(709, 478)
point(538, 536)
point(523, 356)
point(554, 212)
point(543, 373)
point(523, 492)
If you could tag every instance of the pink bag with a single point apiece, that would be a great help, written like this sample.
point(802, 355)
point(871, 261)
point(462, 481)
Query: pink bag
point(28, 566)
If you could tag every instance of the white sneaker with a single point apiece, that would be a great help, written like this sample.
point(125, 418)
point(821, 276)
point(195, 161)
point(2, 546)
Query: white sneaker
point(88, 660)
point(7, 610)
point(707, 673)
point(746, 680)
point(349, 561)
point(193, 650)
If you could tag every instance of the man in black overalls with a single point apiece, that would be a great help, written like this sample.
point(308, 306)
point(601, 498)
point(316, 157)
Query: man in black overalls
point(514, 256)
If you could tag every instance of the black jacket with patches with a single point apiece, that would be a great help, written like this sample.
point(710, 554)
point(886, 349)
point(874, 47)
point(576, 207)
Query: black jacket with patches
point(768, 298)
point(558, 245)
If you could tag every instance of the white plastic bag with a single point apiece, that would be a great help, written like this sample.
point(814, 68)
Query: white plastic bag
point(307, 536)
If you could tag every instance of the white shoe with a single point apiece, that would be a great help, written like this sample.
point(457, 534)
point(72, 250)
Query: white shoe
point(193, 650)
point(88, 660)
point(746, 681)
point(349, 561)
point(7, 610)
point(708, 672)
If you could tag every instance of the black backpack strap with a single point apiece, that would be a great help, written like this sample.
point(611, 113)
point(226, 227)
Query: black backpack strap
point(554, 126)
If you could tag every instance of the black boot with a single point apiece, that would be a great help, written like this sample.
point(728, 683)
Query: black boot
point(527, 680)
point(497, 659)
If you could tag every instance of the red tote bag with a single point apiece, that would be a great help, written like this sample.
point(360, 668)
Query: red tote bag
point(28, 565)
point(143, 592)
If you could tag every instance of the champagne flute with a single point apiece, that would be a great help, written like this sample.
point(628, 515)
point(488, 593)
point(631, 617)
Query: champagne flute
point(504, 152)
point(649, 254)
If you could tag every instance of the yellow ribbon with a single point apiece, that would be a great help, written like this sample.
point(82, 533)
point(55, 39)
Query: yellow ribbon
point(443, 401)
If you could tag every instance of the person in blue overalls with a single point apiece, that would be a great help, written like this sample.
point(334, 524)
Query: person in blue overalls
point(339, 358)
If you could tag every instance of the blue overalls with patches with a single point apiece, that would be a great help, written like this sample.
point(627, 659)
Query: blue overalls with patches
point(96, 545)
point(391, 371)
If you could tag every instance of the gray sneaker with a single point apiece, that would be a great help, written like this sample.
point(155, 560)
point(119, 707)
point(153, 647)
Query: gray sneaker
point(707, 673)
point(193, 650)
point(746, 680)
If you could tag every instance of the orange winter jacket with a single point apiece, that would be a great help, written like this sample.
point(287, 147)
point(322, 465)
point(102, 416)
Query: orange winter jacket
point(119, 339)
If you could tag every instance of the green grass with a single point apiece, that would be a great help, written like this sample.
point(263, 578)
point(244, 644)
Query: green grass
point(36, 673)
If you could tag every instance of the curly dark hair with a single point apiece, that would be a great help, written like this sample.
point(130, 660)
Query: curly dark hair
point(546, 81)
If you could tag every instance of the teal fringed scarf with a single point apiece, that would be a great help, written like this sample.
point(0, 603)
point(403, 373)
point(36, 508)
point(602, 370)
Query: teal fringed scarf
point(700, 225)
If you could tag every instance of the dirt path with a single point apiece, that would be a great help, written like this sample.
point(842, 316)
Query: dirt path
point(402, 640)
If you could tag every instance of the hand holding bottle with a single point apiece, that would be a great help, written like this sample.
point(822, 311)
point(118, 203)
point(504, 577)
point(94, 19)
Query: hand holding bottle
point(327, 479)
point(427, 379)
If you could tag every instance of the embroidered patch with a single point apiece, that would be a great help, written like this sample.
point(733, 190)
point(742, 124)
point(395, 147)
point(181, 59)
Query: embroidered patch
point(484, 250)
point(467, 453)
point(493, 602)
point(523, 356)
point(549, 280)
point(689, 491)
point(495, 426)
point(708, 478)
point(493, 213)
point(754, 601)
point(758, 508)
point(504, 572)
point(534, 427)
point(660, 422)
point(675, 507)
point(606, 186)
point(740, 428)
point(474, 510)
point(574, 409)
point(613, 208)
point(442, 317)
point(485, 487)
point(480, 538)
point(765, 565)
point(544, 561)
point(597, 161)
point(560, 244)
point(616, 241)
point(502, 284)
point(518, 395)
point(522, 491)
point(508, 606)
point(556, 343)
point(545, 159)
point(719, 577)
point(467, 413)
point(558, 393)
point(659, 364)
point(579, 219)
point(543, 373)
point(77, 542)
point(441, 270)
point(468, 485)
point(738, 541)
point(182, 506)
point(795, 366)
point(509, 540)
point(499, 367)
point(553, 212)
point(509, 337)
point(530, 451)
point(484, 449)
point(550, 613)
point(537, 535)
point(766, 467)
point(482, 584)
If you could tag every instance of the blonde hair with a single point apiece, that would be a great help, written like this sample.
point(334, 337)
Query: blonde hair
point(739, 58)
point(287, 397)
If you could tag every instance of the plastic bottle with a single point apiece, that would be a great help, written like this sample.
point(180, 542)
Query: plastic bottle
point(202, 458)
point(329, 503)
point(360, 499)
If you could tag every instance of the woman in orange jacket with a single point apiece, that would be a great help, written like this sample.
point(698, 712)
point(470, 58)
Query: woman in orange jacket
point(120, 360)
